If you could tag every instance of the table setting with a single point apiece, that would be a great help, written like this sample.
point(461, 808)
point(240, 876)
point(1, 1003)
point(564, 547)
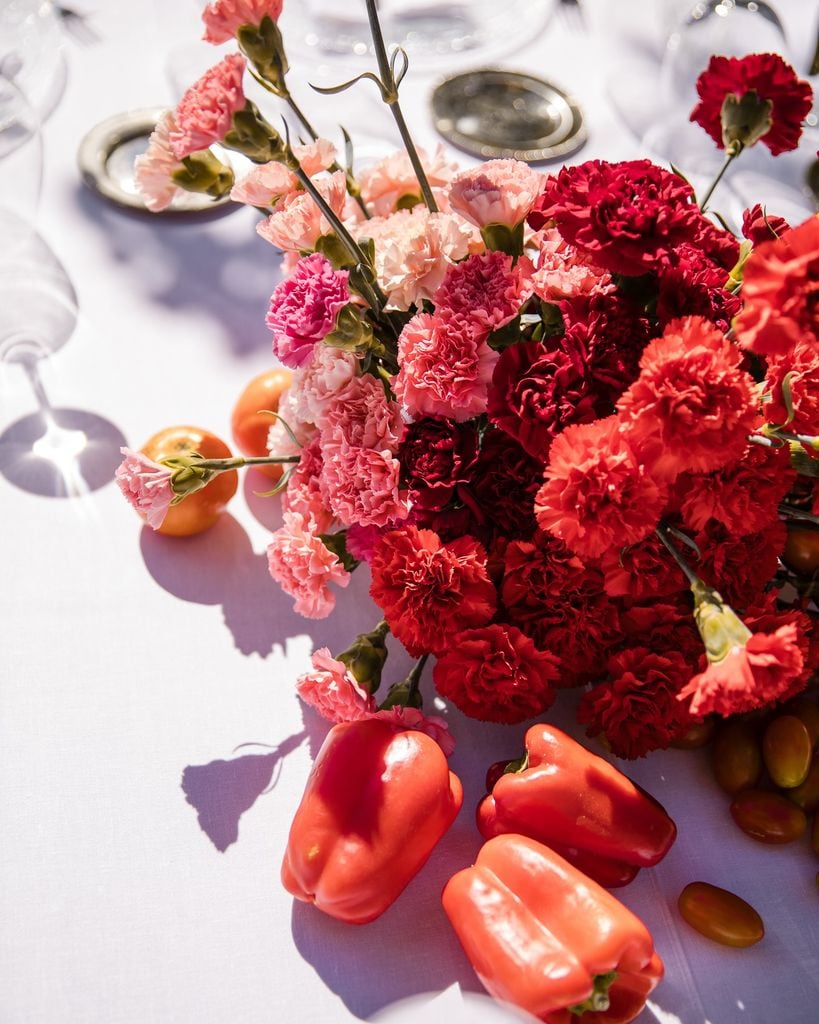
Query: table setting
point(457, 655)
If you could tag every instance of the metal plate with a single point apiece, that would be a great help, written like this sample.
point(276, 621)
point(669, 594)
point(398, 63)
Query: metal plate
point(106, 159)
point(498, 113)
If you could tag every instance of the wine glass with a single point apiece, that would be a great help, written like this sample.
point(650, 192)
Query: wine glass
point(59, 452)
point(31, 51)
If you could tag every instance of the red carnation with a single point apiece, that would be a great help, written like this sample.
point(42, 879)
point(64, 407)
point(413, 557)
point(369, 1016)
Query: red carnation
point(436, 455)
point(744, 497)
point(642, 571)
point(692, 407)
point(780, 289)
point(496, 674)
point(765, 617)
point(663, 627)
point(760, 226)
point(560, 602)
point(505, 484)
point(622, 216)
point(428, 590)
point(692, 285)
point(637, 709)
point(774, 101)
point(597, 493)
point(800, 368)
point(739, 567)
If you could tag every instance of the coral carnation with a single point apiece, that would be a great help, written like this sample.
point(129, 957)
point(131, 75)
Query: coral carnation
point(361, 485)
point(223, 18)
point(430, 591)
point(333, 691)
point(205, 112)
point(496, 674)
point(304, 567)
point(801, 370)
point(597, 493)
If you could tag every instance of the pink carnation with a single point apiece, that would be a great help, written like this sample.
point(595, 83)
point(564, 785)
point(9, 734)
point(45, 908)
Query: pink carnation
point(205, 112)
point(304, 307)
point(561, 272)
point(304, 568)
point(411, 718)
point(303, 492)
point(487, 289)
point(297, 223)
point(362, 486)
point(361, 540)
point(154, 168)
point(333, 691)
point(279, 441)
point(361, 416)
point(223, 18)
point(497, 192)
point(266, 184)
point(393, 178)
point(413, 250)
point(316, 384)
point(146, 486)
point(446, 367)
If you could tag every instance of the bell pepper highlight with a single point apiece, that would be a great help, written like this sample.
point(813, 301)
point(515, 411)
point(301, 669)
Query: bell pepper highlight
point(581, 806)
point(544, 937)
point(377, 801)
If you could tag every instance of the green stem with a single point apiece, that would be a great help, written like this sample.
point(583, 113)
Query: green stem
point(690, 575)
point(220, 465)
point(414, 678)
point(731, 154)
point(390, 95)
point(792, 512)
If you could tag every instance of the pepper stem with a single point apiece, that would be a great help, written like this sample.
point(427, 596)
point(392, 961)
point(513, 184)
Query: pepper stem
point(599, 998)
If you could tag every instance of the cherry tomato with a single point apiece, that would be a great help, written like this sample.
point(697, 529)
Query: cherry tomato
point(806, 709)
point(198, 511)
point(806, 794)
point(786, 750)
point(768, 817)
point(697, 735)
point(720, 915)
point(802, 550)
point(249, 424)
point(736, 756)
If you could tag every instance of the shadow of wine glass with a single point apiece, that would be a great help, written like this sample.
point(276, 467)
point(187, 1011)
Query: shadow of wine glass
point(77, 457)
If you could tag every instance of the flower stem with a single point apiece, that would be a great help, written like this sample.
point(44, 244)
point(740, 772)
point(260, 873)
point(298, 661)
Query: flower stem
point(731, 154)
point(414, 678)
point(221, 465)
point(390, 95)
point(690, 575)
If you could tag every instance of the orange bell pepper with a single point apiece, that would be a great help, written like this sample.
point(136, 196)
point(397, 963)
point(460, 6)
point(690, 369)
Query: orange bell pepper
point(544, 937)
point(565, 796)
point(377, 801)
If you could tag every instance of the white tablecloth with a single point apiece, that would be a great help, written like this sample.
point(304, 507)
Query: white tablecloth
point(129, 662)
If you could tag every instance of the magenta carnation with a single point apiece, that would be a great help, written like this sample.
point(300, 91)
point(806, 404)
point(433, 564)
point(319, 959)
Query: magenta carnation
point(304, 307)
point(205, 112)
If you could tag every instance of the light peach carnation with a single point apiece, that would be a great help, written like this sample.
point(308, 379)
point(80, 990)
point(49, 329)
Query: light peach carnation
point(304, 568)
point(413, 249)
point(146, 485)
point(205, 113)
point(315, 385)
point(412, 718)
point(154, 168)
point(333, 691)
point(222, 18)
point(497, 192)
point(362, 486)
point(361, 416)
point(446, 367)
point(561, 272)
point(297, 223)
point(384, 183)
point(266, 183)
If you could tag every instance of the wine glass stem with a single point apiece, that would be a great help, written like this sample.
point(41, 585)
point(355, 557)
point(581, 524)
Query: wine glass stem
point(32, 367)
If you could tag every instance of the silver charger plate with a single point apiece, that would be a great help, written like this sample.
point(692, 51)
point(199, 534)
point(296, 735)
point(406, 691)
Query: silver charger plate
point(498, 113)
point(106, 160)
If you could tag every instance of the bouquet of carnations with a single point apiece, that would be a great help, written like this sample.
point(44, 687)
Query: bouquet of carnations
point(568, 420)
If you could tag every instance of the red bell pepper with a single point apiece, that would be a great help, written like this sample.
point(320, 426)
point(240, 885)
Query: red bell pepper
point(544, 937)
point(581, 806)
point(377, 801)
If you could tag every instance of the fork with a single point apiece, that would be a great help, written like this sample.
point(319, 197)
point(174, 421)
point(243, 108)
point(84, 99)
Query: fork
point(571, 15)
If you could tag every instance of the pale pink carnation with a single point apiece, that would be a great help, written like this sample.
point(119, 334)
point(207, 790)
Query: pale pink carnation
point(154, 168)
point(304, 568)
point(303, 491)
point(304, 307)
point(297, 223)
point(223, 18)
point(497, 192)
point(392, 178)
point(413, 249)
point(316, 384)
point(279, 441)
point(266, 184)
point(146, 485)
point(561, 272)
point(361, 416)
point(412, 718)
point(446, 367)
point(333, 691)
point(205, 112)
point(361, 485)
point(488, 289)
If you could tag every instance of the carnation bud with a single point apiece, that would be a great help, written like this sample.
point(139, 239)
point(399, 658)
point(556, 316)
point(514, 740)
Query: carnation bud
point(720, 627)
point(365, 657)
point(259, 141)
point(403, 695)
point(744, 120)
point(264, 46)
point(203, 172)
point(187, 475)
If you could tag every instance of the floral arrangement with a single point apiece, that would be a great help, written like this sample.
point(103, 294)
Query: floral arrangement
point(568, 420)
